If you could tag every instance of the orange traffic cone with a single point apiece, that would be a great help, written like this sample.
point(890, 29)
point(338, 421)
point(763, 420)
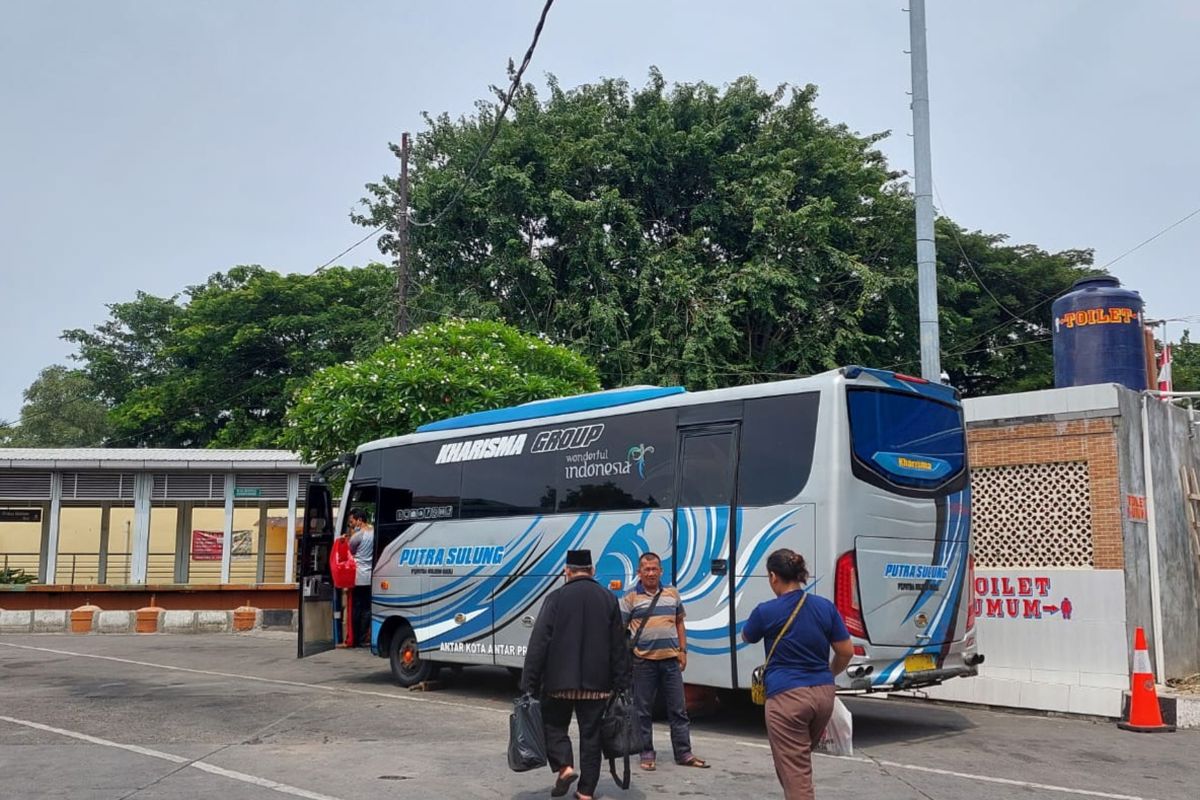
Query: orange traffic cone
point(1144, 714)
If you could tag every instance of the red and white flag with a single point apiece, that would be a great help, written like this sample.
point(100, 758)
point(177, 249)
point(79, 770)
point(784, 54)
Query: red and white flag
point(1164, 369)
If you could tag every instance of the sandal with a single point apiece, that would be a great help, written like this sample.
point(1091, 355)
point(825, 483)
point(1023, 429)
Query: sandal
point(561, 785)
point(695, 761)
point(649, 766)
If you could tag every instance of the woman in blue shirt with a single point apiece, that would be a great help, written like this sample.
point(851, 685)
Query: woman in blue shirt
point(799, 675)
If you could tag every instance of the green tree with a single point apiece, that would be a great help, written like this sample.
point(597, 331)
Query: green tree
point(216, 366)
point(440, 370)
point(697, 235)
point(1185, 364)
point(8, 431)
point(61, 409)
point(995, 301)
point(125, 352)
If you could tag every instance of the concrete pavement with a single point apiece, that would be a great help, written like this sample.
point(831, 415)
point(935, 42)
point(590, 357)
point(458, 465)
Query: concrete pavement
point(164, 718)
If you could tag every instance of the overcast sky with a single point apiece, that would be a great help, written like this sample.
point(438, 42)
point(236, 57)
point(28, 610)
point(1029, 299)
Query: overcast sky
point(146, 145)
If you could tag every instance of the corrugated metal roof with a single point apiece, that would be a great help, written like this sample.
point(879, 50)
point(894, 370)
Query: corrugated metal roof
point(148, 458)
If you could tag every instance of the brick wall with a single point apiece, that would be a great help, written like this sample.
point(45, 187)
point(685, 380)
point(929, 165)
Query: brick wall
point(1088, 440)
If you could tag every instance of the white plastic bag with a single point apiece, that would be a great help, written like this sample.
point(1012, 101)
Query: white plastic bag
point(838, 738)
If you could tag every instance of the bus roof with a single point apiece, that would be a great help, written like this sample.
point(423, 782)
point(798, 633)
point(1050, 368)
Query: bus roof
point(644, 398)
point(553, 408)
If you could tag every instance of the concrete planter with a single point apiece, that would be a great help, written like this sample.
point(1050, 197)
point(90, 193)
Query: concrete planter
point(83, 618)
point(147, 619)
point(50, 621)
point(115, 621)
point(213, 621)
point(179, 622)
point(16, 621)
point(245, 618)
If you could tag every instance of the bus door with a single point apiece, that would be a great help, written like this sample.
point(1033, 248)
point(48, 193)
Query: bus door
point(365, 497)
point(317, 595)
point(703, 549)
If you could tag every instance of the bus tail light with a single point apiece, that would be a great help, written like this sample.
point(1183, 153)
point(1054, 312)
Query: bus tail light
point(970, 592)
point(845, 590)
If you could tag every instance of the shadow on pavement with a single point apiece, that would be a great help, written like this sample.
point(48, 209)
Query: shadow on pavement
point(877, 720)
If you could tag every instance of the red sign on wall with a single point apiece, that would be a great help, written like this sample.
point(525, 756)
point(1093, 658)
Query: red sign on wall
point(1020, 597)
point(207, 545)
point(1136, 505)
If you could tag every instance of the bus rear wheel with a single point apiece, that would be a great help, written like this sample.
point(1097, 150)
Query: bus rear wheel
point(404, 654)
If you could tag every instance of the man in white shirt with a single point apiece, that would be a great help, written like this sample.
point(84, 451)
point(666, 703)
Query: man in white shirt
point(362, 547)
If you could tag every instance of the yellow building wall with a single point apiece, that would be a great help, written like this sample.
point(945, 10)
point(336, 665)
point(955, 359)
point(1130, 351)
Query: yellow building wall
point(120, 542)
point(78, 545)
point(20, 542)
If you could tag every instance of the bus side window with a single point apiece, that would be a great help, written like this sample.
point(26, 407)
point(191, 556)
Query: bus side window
point(778, 435)
point(637, 471)
point(411, 480)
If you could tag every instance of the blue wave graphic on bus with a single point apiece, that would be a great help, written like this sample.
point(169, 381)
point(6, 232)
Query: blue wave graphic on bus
point(953, 545)
point(491, 592)
point(702, 533)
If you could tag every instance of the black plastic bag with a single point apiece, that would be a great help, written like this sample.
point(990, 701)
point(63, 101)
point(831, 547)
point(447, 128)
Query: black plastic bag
point(526, 738)
point(619, 734)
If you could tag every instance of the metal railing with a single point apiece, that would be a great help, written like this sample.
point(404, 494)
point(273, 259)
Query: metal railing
point(116, 568)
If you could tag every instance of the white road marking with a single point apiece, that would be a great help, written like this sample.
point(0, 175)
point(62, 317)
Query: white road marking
point(338, 689)
point(965, 775)
point(266, 783)
point(342, 689)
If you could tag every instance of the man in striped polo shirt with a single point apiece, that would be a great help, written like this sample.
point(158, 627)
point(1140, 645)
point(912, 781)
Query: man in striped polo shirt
point(659, 659)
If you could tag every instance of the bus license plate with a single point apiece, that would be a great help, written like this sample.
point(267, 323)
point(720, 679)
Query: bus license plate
point(921, 663)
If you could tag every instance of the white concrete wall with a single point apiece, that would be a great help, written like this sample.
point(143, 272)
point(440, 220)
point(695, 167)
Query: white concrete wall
point(1036, 658)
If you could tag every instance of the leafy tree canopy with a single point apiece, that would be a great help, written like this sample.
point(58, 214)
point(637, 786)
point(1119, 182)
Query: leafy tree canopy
point(708, 237)
point(440, 370)
point(217, 366)
point(61, 410)
point(1185, 364)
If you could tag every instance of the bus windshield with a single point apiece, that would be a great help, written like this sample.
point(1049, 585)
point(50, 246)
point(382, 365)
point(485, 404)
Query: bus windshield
point(908, 440)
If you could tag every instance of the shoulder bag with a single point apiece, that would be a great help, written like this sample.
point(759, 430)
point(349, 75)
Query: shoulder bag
point(758, 678)
point(642, 625)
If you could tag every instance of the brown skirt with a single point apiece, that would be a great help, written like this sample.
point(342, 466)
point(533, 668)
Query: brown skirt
point(795, 721)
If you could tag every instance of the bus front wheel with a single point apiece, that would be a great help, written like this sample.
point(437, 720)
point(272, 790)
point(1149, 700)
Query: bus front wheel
point(408, 668)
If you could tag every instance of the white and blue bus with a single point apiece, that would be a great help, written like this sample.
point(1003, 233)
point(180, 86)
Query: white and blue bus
point(862, 471)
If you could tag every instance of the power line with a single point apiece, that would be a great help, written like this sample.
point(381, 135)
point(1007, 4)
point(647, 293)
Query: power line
point(1048, 299)
point(604, 348)
point(1151, 239)
point(970, 265)
point(1011, 346)
point(375, 232)
point(470, 175)
point(507, 101)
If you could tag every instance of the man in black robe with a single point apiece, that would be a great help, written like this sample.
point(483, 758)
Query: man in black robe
point(577, 658)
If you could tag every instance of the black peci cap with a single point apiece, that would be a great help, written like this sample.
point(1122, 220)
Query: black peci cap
point(579, 558)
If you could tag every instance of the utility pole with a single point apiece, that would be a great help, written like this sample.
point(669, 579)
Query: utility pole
point(402, 248)
point(931, 357)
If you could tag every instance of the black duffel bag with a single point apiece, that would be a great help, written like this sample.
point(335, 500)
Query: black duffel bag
point(619, 734)
point(526, 737)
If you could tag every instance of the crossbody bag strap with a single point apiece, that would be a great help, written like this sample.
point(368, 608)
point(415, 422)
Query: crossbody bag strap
point(785, 627)
point(642, 625)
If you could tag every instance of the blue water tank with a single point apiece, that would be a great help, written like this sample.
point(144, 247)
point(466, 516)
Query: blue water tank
point(1098, 335)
